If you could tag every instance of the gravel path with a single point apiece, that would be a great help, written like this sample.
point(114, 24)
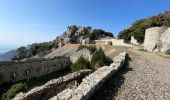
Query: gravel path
point(148, 79)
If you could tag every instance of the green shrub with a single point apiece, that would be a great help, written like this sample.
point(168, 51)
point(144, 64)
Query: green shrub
point(99, 59)
point(91, 48)
point(98, 33)
point(16, 88)
point(137, 29)
point(81, 63)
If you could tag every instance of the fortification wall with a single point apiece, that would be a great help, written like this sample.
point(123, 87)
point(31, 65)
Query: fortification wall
point(52, 87)
point(15, 71)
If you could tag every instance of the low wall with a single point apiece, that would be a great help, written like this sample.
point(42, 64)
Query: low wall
point(93, 82)
point(114, 42)
point(52, 87)
point(15, 71)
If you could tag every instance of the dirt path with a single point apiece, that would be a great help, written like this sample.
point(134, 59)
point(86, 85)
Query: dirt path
point(146, 78)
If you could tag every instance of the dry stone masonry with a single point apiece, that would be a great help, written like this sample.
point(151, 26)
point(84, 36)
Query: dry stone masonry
point(93, 82)
point(52, 87)
point(157, 39)
point(15, 71)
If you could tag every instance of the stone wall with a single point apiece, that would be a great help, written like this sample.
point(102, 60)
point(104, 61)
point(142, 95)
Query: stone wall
point(93, 82)
point(52, 87)
point(133, 41)
point(114, 42)
point(157, 39)
point(15, 71)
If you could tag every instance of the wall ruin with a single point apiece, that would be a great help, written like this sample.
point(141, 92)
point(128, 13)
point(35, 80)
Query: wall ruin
point(15, 71)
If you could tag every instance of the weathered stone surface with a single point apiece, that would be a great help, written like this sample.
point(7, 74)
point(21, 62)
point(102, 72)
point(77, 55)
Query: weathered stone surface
point(84, 52)
point(64, 95)
point(165, 41)
point(152, 38)
point(52, 87)
point(157, 39)
point(16, 71)
point(134, 41)
point(94, 81)
point(112, 41)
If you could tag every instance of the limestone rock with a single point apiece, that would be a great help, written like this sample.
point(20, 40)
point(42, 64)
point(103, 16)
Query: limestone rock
point(152, 38)
point(165, 42)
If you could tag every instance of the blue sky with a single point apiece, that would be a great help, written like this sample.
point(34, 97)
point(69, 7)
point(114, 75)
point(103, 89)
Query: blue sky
point(24, 22)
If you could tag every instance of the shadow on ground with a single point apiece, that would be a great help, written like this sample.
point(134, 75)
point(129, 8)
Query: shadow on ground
point(110, 89)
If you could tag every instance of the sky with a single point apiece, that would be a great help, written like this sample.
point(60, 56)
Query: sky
point(23, 22)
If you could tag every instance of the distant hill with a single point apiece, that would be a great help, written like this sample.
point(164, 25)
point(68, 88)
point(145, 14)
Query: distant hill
point(137, 29)
point(8, 55)
point(73, 34)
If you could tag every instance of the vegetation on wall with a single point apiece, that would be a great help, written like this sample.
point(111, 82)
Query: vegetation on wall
point(137, 29)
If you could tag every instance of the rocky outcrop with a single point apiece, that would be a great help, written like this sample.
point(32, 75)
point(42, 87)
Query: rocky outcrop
point(157, 39)
point(52, 87)
point(73, 34)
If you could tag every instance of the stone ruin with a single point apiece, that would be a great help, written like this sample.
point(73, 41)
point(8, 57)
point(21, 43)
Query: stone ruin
point(56, 89)
point(52, 87)
point(16, 71)
point(133, 41)
point(157, 39)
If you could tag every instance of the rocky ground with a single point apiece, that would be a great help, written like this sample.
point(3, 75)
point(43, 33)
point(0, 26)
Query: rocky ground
point(146, 77)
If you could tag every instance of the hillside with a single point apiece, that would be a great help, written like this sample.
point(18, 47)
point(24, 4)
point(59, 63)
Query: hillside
point(73, 34)
point(8, 55)
point(137, 29)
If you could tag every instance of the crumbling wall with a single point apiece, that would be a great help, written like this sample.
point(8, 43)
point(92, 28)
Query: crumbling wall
point(157, 39)
point(133, 41)
point(52, 87)
point(15, 71)
point(93, 82)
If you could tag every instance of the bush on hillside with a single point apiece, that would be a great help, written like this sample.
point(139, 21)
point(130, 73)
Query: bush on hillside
point(16, 88)
point(81, 63)
point(137, 29)
point(99, 59)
